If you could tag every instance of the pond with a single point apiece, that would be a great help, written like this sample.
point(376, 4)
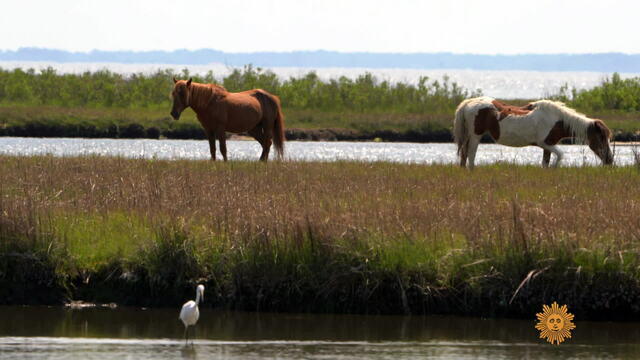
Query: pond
point(136, 333)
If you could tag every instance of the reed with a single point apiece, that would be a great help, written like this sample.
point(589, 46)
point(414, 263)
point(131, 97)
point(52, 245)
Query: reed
point(327, 237)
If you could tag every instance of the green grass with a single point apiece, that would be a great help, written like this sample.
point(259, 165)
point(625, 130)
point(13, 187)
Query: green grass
point(158, 117)
point(93, 241)
point(106, 104)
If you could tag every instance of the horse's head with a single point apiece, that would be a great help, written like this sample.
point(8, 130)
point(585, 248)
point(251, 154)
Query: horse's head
point(594, 132)
point(180, 95)
point(598, 135)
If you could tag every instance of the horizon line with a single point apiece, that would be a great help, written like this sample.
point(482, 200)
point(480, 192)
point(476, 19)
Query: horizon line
point(316, 51)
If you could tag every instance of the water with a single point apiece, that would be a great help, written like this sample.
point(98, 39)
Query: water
point(134, 333)
point(498, 84)
point(575, 155)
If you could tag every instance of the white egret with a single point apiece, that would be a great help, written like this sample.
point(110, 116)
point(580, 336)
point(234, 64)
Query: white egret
point(190, 313)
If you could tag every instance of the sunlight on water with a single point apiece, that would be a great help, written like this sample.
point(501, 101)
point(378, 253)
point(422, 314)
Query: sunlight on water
point(134, 333)
point(432, 153)
point(66, 349)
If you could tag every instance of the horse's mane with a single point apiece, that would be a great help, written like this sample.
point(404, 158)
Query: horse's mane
point(575, 122)
point(203, 94)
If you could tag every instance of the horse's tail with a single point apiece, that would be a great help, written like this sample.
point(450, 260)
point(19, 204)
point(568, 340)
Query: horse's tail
point(278, 127)
point(460, 135)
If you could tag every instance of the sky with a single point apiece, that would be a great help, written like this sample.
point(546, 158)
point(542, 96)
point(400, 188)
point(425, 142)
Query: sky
point(479, 27)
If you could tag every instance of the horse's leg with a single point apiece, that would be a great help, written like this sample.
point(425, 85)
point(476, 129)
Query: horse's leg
point(472, 147)
point(267, 127)
point(556, 150)
point(222, 138)
point(559, 155)
point(256, 132)
point(212, 144)
point(546, 157)
point(464, 149)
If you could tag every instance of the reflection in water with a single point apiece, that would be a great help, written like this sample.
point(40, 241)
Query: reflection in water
point(188, 352)
point(101, 333)
point(301, 151)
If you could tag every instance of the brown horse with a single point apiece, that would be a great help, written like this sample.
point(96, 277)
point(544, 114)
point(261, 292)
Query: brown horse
point(505, 110)
point(256, 112)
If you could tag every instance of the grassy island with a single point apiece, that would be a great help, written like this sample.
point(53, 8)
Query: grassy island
point(324, 237)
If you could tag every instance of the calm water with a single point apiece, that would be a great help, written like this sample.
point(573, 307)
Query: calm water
point(575, 155)
point(133, 333)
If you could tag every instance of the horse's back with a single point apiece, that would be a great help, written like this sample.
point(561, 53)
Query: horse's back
point(258, 98)
point(244, 112)
point(243, 98)
point(522, 130)
point(246, 109)
point(468, 104)
point(471, 107)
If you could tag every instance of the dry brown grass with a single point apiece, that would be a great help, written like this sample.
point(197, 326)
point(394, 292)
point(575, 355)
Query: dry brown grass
point(585, 204)
point(434, 227)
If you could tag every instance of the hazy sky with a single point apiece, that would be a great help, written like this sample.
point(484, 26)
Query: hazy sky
point(488, 27)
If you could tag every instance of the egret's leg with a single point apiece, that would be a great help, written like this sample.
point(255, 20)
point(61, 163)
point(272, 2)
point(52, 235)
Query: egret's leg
point(186, 334)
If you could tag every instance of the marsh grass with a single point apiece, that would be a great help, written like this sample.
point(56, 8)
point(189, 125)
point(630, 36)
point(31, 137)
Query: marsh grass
point(335, 237)
point(105, 104)
point(636, 156)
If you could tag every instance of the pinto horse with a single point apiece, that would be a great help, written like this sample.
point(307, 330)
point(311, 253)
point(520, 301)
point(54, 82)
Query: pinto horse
point(256, 112)
point(541, 123)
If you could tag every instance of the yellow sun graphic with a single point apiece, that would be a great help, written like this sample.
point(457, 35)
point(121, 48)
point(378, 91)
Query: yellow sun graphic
point(555, 323)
